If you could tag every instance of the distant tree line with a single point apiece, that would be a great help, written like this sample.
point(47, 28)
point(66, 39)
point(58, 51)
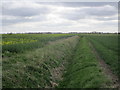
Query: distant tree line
point(94, 32)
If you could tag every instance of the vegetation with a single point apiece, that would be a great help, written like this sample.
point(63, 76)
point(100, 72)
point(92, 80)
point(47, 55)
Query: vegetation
point(83, 70)
point(107, 47)
point(19, 43)
point(30, 69)
point(57, 60)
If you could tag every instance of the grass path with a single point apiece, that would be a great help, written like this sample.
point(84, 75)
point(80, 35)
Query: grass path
point(106, 69)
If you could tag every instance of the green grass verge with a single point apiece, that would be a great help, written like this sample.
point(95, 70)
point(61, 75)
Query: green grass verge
point(83, 70)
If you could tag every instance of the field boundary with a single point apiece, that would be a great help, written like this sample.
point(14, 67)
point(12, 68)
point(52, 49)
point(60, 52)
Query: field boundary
point(45, 65)
point(106, 68)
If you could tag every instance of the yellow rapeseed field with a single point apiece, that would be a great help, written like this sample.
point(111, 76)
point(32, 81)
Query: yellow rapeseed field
point(17, 41)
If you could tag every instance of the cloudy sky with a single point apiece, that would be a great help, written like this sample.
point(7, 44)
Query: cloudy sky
point(59, 16)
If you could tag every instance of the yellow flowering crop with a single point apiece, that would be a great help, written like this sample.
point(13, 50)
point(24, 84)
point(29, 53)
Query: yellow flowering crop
point(17, 41)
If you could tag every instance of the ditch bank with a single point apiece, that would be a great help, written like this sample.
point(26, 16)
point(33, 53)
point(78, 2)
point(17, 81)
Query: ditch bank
point(41, 68)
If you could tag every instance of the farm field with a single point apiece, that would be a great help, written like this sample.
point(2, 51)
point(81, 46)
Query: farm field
point(60, 61)
point(19, 43)
point(107, 46)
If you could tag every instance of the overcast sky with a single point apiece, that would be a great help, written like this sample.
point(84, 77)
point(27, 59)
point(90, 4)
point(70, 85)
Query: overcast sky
point(59, 17)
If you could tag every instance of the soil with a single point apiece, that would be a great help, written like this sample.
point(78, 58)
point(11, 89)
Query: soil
point(57, 74)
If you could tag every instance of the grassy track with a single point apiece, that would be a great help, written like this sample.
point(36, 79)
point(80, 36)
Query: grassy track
point(83, 70)
point(38, 68)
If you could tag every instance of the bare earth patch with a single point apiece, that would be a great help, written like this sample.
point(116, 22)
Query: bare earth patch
point(57, 74)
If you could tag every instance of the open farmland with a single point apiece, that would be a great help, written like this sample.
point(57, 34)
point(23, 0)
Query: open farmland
point(107, 46)
point(17, 43)
point(60, 61)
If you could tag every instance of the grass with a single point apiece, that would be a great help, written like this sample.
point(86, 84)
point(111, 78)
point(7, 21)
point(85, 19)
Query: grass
point(83, 70)
point(107, 47)
point(57, 60)
point(34, 69)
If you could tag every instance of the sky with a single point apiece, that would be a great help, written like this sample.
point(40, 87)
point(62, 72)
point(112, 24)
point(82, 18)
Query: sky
point(34, 16)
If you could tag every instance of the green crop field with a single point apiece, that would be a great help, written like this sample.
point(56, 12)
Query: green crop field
point(107, 46)
point(60, 60)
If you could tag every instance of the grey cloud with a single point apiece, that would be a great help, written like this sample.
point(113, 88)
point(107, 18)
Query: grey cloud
point(80, 4)
point(38, 14)
point(73, 15)
point(108, 24)
point(101, 12)
point(24, 11)
point(14, 21)
point(57, 24)
point(6, 21)
point(106, 19)
point(94, 11)
point(90, 4)
point(88, 12)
